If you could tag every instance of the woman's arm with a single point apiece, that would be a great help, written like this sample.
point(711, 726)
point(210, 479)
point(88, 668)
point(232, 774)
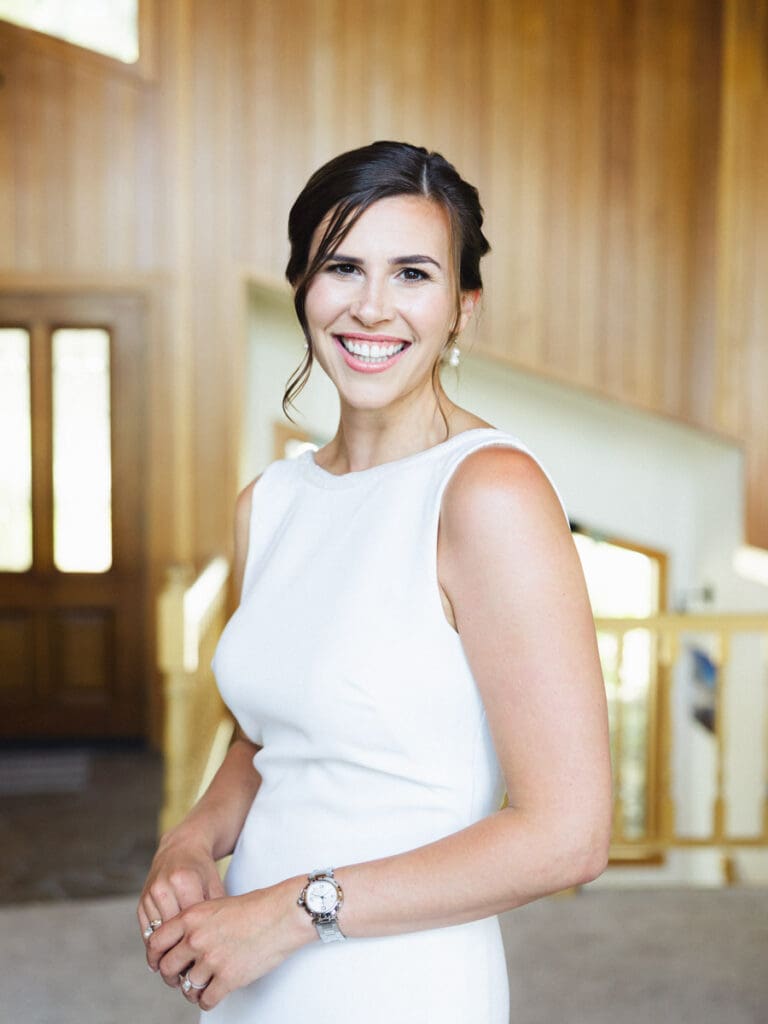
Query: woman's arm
point(511, 571)
point(513, 576)
point(183, 871)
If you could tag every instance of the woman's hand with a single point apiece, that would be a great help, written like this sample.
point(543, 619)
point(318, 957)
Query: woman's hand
point(229, 942)
point(183, 873)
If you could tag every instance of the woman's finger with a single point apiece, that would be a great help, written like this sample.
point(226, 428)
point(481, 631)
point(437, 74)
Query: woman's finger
point(161, 902)
point(193, 982)
point(149, 917)
point(189, 887)
point(165, 938)
point(212, 994)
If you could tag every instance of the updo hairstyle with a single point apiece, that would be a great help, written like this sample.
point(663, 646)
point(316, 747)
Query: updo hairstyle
point(345, 187)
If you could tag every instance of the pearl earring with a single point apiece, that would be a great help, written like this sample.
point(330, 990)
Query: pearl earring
point(454, 359)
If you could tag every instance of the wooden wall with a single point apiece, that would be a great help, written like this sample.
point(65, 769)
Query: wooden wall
point(620, 148)
point(741, 372)
point(594, 132)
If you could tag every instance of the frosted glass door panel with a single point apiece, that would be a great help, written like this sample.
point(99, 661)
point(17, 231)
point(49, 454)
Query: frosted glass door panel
point(82, 464)
point(15, 452)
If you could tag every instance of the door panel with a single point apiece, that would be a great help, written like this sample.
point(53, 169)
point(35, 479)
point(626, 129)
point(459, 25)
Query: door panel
point(71, 642)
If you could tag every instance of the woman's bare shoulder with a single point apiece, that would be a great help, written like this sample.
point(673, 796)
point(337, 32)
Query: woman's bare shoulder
point(499, 478)
point(500, 507)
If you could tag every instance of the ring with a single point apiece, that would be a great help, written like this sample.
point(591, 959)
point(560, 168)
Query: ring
point(187, 984)
point(151, 927)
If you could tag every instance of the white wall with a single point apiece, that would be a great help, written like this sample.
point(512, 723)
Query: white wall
point(620, 471)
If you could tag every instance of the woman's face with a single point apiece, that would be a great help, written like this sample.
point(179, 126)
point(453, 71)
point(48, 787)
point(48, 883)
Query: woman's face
point(381, 309)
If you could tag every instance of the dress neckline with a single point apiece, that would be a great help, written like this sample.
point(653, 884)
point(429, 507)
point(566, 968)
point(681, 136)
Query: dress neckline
point(325, 478)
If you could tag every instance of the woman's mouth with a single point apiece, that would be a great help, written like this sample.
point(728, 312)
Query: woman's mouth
point(370, 355)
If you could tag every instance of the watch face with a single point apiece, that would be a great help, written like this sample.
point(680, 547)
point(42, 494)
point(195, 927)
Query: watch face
point(321, 897)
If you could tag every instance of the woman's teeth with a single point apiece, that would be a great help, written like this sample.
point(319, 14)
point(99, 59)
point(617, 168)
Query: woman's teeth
point(373, 353)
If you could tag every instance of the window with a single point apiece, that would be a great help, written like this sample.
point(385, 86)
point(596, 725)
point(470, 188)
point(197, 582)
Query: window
point(15, 451)
point(82, 468)
point(626, 582)
point(73, 366)
point(107, 26)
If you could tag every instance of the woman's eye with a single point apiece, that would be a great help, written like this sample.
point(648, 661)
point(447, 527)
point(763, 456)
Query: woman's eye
point(342, 269)
point(412, 274)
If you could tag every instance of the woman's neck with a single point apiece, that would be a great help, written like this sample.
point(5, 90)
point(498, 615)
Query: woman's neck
point(363, 441)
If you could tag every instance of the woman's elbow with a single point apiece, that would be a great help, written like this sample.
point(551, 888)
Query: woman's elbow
point(594, 853)
point(594, 866)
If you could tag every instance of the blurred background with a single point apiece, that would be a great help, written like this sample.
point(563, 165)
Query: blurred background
point(149, 154)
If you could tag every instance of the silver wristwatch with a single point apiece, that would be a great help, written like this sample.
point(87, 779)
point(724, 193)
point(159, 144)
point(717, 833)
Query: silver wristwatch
point(322, 898)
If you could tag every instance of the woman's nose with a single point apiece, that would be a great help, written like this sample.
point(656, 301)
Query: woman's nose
point(372, 304)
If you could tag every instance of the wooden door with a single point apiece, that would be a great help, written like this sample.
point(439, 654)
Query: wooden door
point(71, 532)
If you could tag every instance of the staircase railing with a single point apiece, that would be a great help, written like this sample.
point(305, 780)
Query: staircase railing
point(696, 728)
point(198, 728)
point(698, 704)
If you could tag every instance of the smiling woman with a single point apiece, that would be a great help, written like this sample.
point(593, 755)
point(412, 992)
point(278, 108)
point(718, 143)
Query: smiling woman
point(367, 313)
point(426, 191)
point(446, 654)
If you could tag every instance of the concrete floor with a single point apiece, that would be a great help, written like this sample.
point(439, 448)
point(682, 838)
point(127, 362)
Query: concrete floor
point(601, 957)
point(76, 823)
point(77, 835)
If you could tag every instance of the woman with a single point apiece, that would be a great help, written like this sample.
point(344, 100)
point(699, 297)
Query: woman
point(413, 639)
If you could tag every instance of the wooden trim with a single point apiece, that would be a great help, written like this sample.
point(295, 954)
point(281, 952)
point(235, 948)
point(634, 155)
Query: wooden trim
point(75, 281)
point(147, 64)
point(700, 622)
point(42, 458)
point(661, 557)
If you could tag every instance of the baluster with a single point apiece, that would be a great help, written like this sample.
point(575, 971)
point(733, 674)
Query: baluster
point(618, 803)
point(765, 737)
point(669, 652)
point(171, 649)
point(720, 658)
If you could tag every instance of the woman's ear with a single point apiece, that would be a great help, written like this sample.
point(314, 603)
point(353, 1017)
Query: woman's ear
point(469, 300)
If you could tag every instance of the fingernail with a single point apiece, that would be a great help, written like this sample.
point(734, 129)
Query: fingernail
point(151, 968)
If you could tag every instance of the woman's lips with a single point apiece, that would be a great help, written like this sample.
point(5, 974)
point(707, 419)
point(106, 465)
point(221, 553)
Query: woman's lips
point(363, 365)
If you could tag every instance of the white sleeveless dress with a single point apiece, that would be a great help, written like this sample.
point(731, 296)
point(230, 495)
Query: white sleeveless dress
point(340, 663)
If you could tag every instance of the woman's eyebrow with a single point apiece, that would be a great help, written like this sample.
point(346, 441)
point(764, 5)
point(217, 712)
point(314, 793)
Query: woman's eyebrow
point(400, 261)
point(396, 261)
point(337, 257)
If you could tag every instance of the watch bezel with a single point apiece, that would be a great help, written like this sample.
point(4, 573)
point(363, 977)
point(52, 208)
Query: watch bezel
point(323, 915)
point(326, 916)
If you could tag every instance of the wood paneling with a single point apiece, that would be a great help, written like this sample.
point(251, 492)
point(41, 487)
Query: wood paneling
point(70, 161)
point(591, 130)
point(17, 651)
point(83, 649)
point(619, 148)
point(603, 241)
point(742, 352)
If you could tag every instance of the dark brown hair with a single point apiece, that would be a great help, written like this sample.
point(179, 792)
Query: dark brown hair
point(345, 187)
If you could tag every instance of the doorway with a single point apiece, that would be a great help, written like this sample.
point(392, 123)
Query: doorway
point(72, 421)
